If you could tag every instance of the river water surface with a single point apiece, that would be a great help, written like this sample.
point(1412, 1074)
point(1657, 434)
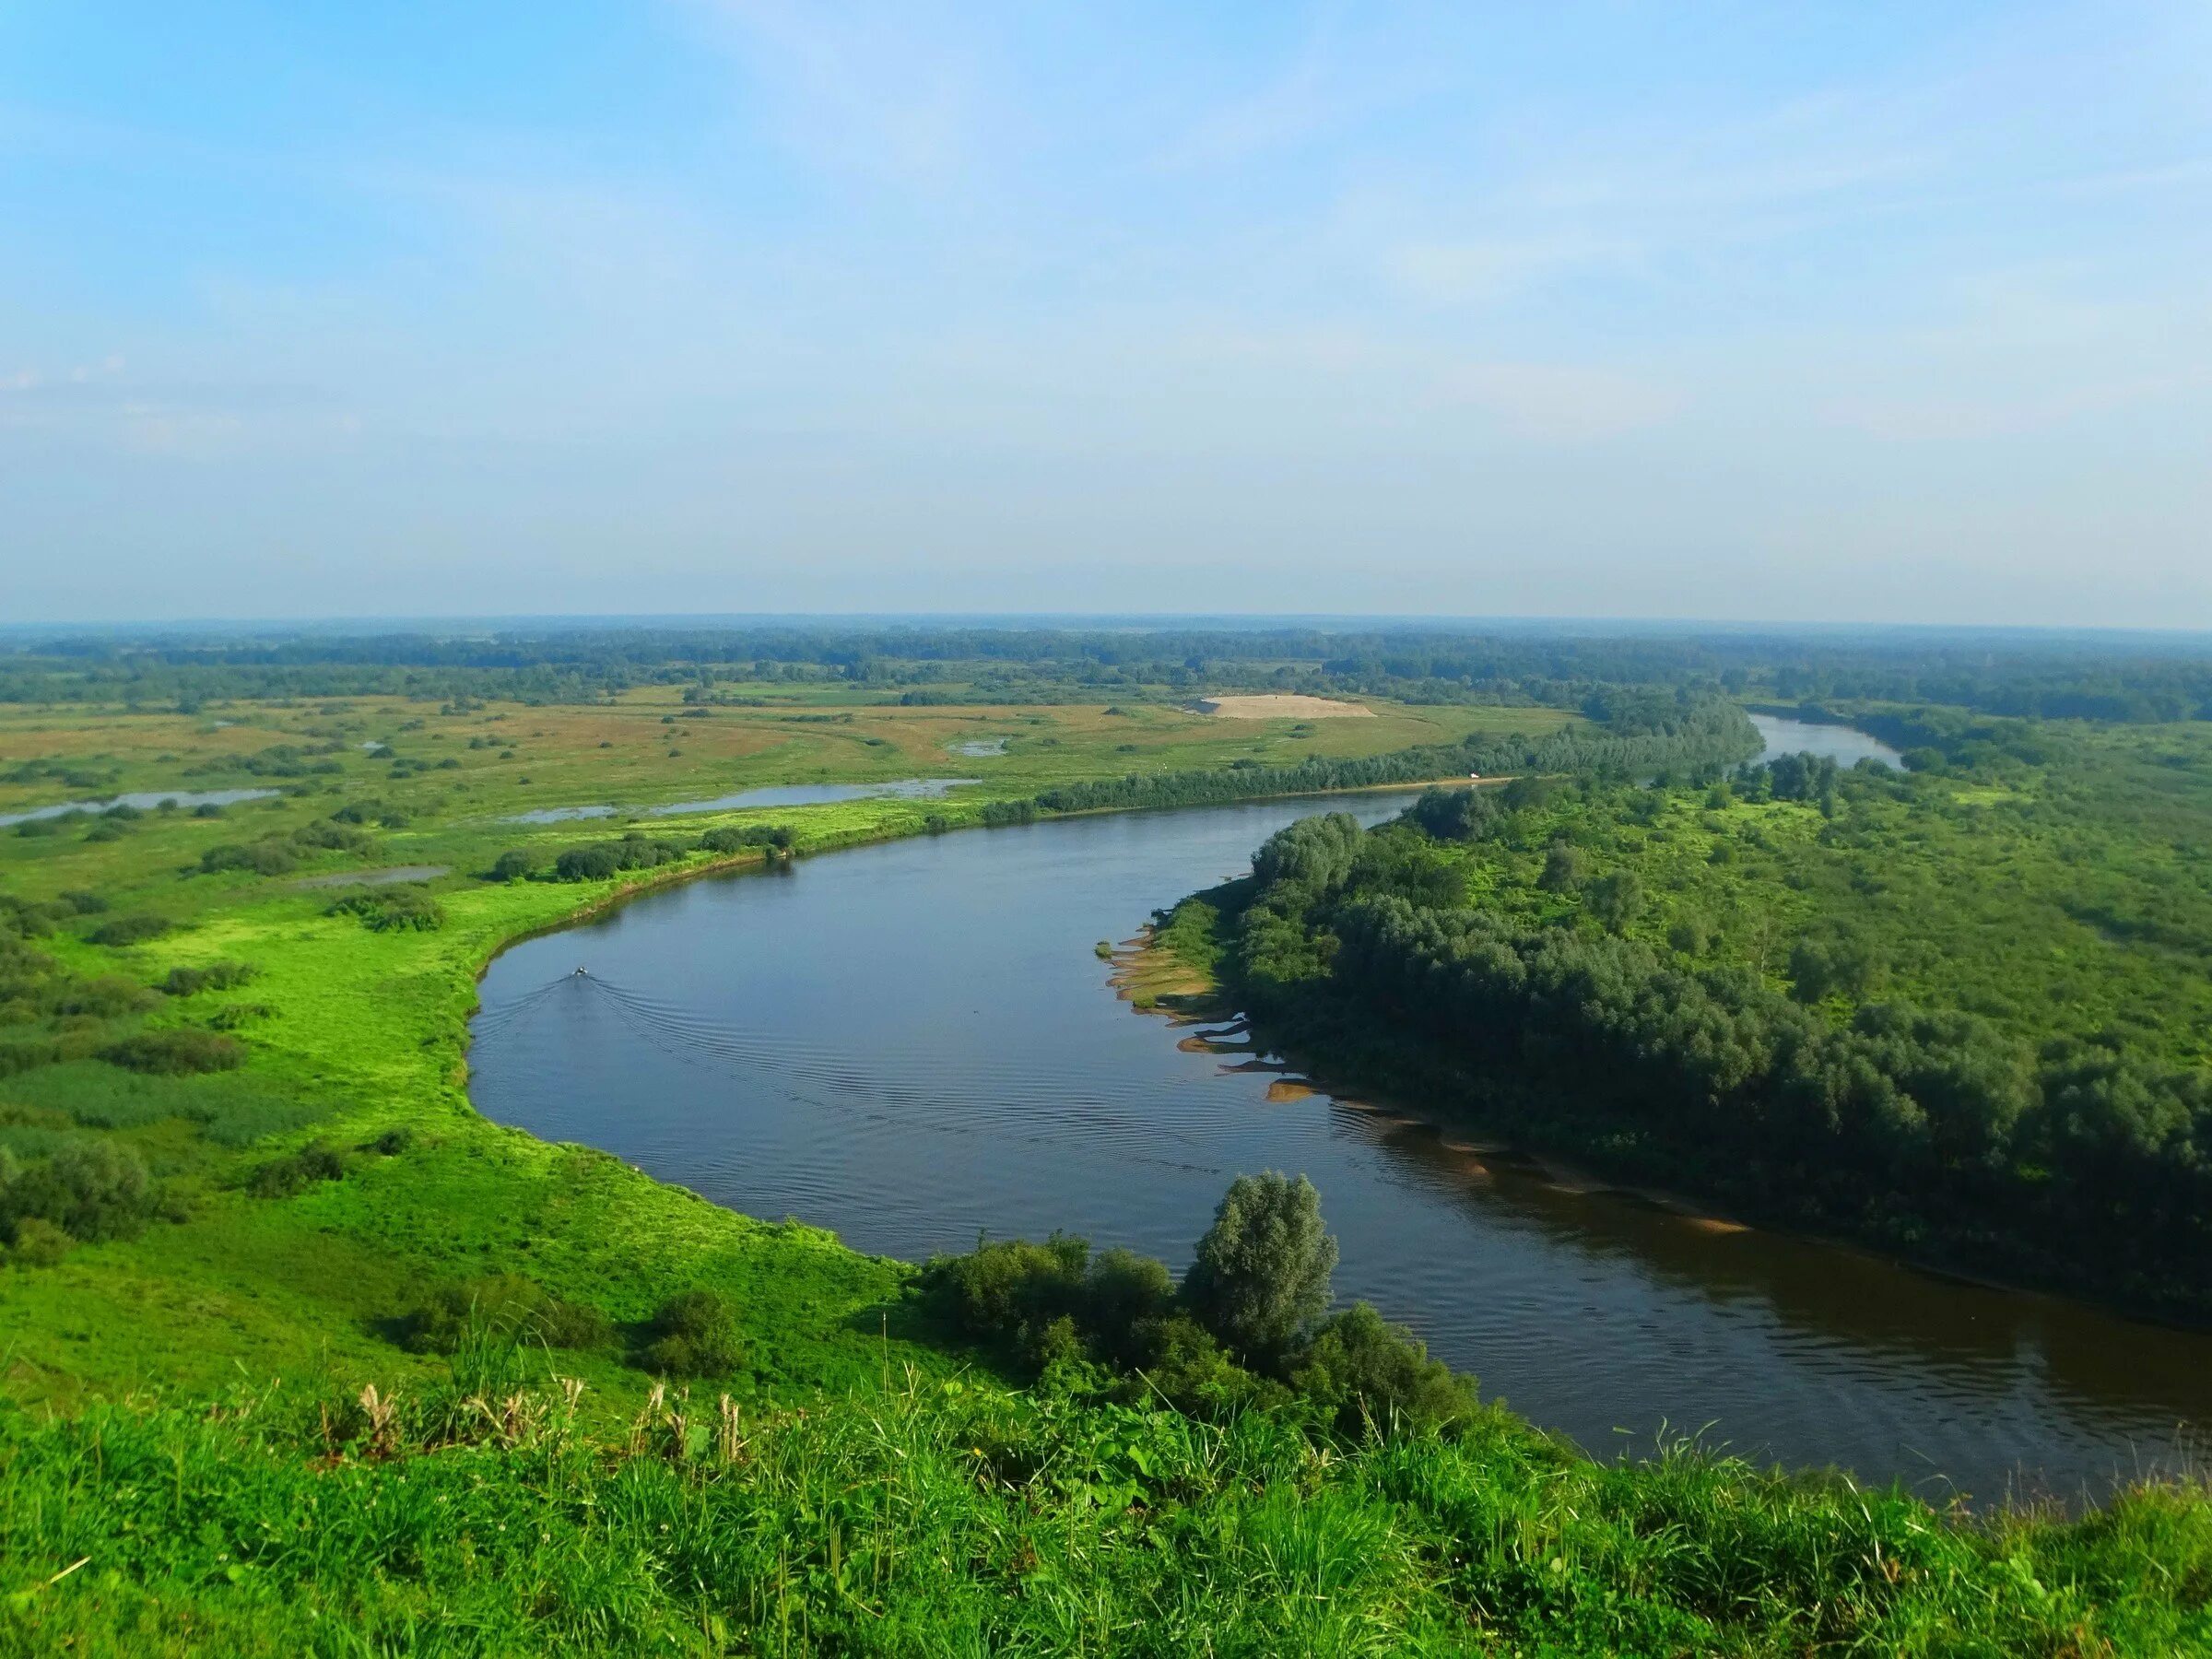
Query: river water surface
point(915, 1044)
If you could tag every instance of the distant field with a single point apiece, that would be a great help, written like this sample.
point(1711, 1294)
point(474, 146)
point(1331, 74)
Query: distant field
point(648, 747)
point(1282, 705)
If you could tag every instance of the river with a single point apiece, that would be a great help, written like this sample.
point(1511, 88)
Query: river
point(914, 1044)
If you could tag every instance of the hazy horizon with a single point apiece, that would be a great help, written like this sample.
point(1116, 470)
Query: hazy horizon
point(1883, 315)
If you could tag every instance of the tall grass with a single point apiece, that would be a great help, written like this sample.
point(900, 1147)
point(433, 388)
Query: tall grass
point(943, 1516)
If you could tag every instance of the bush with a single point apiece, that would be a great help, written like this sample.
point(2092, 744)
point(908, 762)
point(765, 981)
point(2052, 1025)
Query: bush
point(392, 1142)
point(1457, 814)
point(1010, 1290)
point(1180, 1363)
point(409, 908)
point(738, 838)
point(296, 1172)
point(693, 1334)
point(1368, 1373)
point(505, 1305)
point(216, 976)
point(334, 837)
point(102, 998)
point(1564, 867)
point(1260, 1280)
point(586, 863)
point(37, 1243)
point(513, 866)
point(270, 857)
point(128, 930)
point(91, 1189)
point(632, 852)
point(176, 1053)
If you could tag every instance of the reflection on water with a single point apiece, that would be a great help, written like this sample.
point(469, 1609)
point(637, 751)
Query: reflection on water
point(913, 1043)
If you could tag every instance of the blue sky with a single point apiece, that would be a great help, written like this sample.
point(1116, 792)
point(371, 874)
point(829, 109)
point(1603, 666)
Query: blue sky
point(1853, 311)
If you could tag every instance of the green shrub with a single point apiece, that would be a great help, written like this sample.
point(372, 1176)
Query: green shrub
point(1010, 1290)
point(504, 1306)
point(91, 1189)
point(1366, 1373)
point(632, 852)
point(296, 1172)
point(272, 857)
point(176, 1052)
point(738, 838)
point(100, 998)
point(128, 930)
point(513, 866)
point(392, 1142)
point(409, 908)
point(216, 976)
point(335, 838)
point(693, 1334)
point(37, 1243)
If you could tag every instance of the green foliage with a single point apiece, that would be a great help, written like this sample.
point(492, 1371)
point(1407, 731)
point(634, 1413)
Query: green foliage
point(216, 976)
point(296, 1172)
point(1371, 1376)
point(1913, 1080)
point(405, 907)
point(37, 1243)
point(1259, 1279)
point(502, 1307)
point(91, 1189)
point(179, 1052)
point(128, 930)
point(604, 858)
point(693, 1334)
point(515, 865)
point(742, 837)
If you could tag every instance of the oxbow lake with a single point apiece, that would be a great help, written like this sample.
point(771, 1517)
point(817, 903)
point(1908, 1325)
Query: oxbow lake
point(1846, 746)
point(915, 1044)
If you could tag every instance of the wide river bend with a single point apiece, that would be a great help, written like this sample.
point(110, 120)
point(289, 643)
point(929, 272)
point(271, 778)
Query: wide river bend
point(914, 1044)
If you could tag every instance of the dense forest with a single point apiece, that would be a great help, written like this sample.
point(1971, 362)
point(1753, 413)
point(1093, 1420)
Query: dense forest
point(1960, 1012)
point(2112, 677)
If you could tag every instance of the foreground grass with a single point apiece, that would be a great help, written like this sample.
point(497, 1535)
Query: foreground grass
point(943, 1516)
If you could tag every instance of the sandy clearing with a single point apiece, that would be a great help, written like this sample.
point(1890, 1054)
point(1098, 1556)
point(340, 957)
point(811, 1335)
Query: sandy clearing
point(1282, 705)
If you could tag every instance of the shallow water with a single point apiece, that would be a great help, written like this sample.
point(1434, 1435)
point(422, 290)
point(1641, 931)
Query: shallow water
point(915, 1044)
point(774, 795)
point(145, 800)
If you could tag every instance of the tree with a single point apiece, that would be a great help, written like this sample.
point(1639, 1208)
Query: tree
point(1563, 867)
point(1615, 900)
point(1261, 1279)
